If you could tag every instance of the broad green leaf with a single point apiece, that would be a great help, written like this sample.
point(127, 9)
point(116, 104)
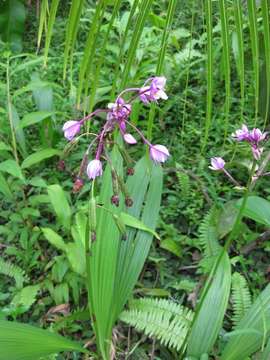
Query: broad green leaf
point(4, 147)
point(60, 204)
point(54, 239)
point(39, 156)
point(18, 131)
point(12, 168)
point(211, 311)
point(12, 18)
point(131, 221)
point(24, 342)
point(253, 330)
point(76, 256)
point(171, 246)
point(4, 188)
point(34, 118)
point(257, 209)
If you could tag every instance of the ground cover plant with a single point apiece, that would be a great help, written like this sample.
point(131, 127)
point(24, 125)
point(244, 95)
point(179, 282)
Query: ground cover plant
point(134, 179)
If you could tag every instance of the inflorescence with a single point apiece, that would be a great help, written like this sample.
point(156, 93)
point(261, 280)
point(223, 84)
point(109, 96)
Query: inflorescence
point(117, 117)
point(255, 138)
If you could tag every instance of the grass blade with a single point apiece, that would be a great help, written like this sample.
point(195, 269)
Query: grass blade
point(226, 60)
point(238, 18)
point(161, 58)
point(252, 17)
point(209, 69)
point(51, 20)
point(266, 37)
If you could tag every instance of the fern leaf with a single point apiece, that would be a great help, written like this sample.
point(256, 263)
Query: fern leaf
point(26, 296)
point(165, 320)
point(184, 183)
point(13, 271)
point(208, 239)
point(241, 298)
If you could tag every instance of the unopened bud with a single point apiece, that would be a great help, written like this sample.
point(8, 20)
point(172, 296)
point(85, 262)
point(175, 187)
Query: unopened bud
point(130, 171)
point(93, 236)
point(128, 201)
point(115, 200)
point(78, 184)
point(61, 165)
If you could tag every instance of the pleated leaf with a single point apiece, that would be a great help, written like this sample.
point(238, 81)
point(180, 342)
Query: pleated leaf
point(25, 342)
point(211, 311)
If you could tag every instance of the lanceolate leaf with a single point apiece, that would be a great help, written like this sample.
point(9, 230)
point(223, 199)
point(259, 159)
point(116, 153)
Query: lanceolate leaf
point(209, 318)
point(25, 342)
point(60, 204)
point(131, 221)
point(257, 209)
point(39, 156)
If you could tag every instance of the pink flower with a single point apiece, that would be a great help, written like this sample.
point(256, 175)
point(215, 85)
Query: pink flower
point(159, 153)
point(217, 163)
point(256, 152)
point(241, 134)
point(94, 169)
point(71, 129)
point(154, 91)
point(119, 110)
point(256, 135)
point(130, 139)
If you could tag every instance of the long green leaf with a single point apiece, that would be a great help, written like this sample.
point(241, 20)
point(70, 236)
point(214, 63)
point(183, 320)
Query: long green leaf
point(51, 20)
point(252, 16)
point(266, 37)
point(39, 156)
point(226, 59)
point(209, 69)
point(208, 321)
point(161, 58)
point(239, 53)
point(25, 342)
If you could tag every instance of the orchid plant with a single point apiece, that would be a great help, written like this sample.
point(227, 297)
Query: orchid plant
point(113, 265)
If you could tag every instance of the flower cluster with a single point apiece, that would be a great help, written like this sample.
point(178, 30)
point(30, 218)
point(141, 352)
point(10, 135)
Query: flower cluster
point(117, 116)
point(254, 138)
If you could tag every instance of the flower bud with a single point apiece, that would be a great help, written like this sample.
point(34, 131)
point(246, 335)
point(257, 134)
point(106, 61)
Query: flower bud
point(61, 165)
point(128, 201)
point(130, 171)
point(78, 184)
point(94, 169)
point(159, 153)
point(217, 163)
point(115, 200)
point(71, 129)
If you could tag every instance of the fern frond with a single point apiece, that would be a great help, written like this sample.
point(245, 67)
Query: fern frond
point(26, 296)
point(241, 297)
point(184, 183)
point(13, 271)
point(160, 318)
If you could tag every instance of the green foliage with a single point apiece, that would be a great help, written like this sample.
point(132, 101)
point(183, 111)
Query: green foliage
point(241, 298)
point(162, 319)
point(12, 18)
